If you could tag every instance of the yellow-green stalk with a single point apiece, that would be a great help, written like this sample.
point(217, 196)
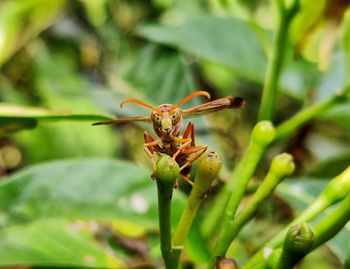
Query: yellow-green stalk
point(281, 167)
point(262, 135)
point(297, 244)
point(167, 171)
point(208, 168)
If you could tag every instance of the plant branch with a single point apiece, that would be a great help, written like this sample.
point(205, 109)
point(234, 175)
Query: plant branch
point(333, 223)
point(208, 168)
point(289, 126)
point(282, 166)
point(166, 174)
point(337, 189)
point(297, 244)
point(230, 196)
point(270, 90)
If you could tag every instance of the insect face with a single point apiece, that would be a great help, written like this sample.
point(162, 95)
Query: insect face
point(169, 121)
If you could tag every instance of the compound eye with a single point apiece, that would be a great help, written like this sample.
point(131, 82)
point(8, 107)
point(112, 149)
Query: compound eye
point(157, 119)
point(175, 117)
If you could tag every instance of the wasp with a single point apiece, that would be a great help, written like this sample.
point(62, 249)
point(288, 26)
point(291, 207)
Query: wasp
point(168, 122)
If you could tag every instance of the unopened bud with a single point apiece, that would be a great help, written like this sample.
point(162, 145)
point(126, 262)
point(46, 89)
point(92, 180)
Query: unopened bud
point(167, 170)
point(338, 187)
point(299, 239)
point(298, 242)
point(208, 168)
point(282, 165)
point(263, 133)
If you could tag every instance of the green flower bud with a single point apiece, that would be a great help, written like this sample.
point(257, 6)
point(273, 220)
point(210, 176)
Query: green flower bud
point(298, 242)
point(282, 165)
point(263, 133)
point(208, 168)
point(167, 170)
point(338, 187)
point(299, 239)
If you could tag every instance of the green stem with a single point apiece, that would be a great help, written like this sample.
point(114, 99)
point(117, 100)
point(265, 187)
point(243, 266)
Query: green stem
point(281, 167)
point(270, 91)
point(240, 178)
point(347, 262)
point(336, 190)
point(166, 173)
point(194, 200)
point(300, 240)
point(310, 213)
point(233, 192)
point(208, 167)
point(164, 209)
point(297, 244)
point(333, 223)
point(289, 126)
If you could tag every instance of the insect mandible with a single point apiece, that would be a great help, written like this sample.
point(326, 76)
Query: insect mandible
point(167, 120)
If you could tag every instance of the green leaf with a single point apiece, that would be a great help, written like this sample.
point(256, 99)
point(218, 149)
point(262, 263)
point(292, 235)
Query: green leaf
point(54, 242)
point(17, 117)
point(161, 71)
point(297, 77)
point(300, 194)
point(101, 189)
point(23, 20)
point(95, 188)
point(227, 41)
point(334, 79)
point(163, 76)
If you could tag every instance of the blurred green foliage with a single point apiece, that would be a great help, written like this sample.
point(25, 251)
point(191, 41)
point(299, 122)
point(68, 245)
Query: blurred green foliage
point(66, 64)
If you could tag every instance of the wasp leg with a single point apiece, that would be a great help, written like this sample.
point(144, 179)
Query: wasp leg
point(151, 146)
point(185, 140)
point(187, 179)
point(182, 147)
point(189, 131)
point(197, 151)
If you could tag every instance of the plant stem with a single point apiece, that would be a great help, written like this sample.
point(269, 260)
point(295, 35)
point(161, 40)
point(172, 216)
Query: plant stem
point(232, 193)
point(333, 223)
point(270, 91)
point(305, 241)
point(208, 168)
point(194, 200)
point(166, 174)
point(336, 190)
point(289, 126)
point(297, 244)
point(164, 209)
point(281, 167)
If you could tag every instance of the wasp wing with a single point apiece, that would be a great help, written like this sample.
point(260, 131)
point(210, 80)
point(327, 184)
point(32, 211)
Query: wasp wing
point(213, 106)
point(122, 120)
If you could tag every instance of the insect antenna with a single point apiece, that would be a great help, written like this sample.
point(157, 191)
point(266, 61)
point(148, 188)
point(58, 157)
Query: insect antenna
point(138, 102)
point(191, 96)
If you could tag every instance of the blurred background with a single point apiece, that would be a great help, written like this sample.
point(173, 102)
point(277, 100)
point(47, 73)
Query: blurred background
point(86, 56)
